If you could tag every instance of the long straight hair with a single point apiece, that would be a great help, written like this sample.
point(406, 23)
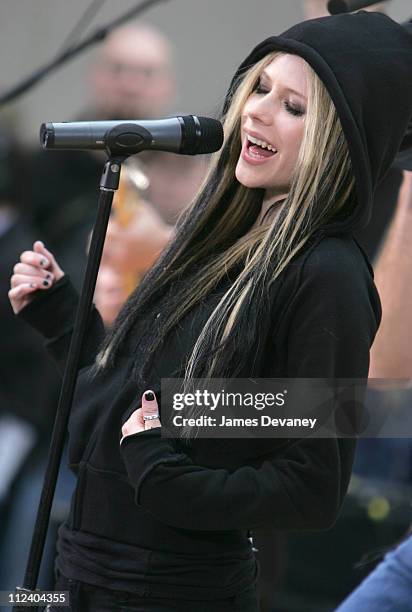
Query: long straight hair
point(212, 237)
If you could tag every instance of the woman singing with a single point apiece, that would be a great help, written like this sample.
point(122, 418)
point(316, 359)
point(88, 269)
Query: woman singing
point(262, 279)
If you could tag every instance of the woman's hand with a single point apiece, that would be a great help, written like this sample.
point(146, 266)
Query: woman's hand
point(37, 270)
point(137, 421)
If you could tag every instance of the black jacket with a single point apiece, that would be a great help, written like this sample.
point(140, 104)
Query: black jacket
point(28, 377)
point(157, 517)
point(155, 494)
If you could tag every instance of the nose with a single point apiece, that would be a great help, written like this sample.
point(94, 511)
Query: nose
point(260, 109)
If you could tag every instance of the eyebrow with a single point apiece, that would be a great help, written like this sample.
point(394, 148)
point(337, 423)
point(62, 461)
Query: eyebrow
point(265, 74)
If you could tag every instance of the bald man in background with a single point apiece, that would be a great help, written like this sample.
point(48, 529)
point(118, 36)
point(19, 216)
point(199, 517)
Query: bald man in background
point(132, 77)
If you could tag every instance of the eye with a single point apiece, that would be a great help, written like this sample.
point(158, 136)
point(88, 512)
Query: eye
point(294, 110)
point(260, 89)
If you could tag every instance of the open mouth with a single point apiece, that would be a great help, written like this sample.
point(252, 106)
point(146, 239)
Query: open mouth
point(259, 148)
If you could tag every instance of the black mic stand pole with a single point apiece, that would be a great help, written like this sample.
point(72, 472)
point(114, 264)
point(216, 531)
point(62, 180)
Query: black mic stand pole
point(108, 185)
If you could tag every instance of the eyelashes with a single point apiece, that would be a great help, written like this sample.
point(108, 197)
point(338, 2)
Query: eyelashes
point(296, 111)
point(260, 90)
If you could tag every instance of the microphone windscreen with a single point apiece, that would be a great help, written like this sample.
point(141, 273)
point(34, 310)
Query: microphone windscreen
point(201, 135)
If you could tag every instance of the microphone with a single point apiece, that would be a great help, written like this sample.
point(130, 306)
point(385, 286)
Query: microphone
point(188, 135)
point(348, 6)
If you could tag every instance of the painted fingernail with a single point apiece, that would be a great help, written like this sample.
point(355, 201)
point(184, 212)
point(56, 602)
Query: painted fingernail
point(33, 285)
point(43, 261)
point(46, 283)
point(149, 396)
point(48, 276)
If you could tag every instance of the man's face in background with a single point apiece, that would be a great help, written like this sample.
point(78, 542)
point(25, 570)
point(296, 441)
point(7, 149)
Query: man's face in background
point(133, 77)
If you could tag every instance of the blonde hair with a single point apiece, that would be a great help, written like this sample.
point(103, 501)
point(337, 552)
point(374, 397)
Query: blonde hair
point(208, 239)
point(321, 185)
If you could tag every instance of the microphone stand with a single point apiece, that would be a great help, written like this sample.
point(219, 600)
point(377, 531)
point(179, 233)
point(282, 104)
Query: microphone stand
point(97, 36)
point(109, 183)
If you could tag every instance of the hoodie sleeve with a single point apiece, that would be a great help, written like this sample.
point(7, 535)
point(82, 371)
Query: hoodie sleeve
point(285, 492)
point(331, 324)
point(52, 313)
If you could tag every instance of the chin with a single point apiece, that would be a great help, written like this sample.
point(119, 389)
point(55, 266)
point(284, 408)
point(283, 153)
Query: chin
point(250, 183)
point(246, 179)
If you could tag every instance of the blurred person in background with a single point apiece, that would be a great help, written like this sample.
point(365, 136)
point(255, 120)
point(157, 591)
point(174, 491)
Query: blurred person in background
point(123, 261)
point(133, 77)
point(28, 391)
point(391, 355)
point(136, 234)
point(389, 587)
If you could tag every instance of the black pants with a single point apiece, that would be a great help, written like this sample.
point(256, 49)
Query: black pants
point(88, 598)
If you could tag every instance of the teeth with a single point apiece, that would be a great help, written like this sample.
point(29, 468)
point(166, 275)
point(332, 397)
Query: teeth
point(261, 143)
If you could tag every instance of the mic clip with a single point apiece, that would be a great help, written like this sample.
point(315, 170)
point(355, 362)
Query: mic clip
point(126, 139)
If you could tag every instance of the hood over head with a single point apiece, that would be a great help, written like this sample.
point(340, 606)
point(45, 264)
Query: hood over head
point(364, 60)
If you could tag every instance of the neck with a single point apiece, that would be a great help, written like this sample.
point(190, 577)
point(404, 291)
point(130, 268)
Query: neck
point(269, 202)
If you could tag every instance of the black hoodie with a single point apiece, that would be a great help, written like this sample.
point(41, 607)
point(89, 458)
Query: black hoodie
point(365, 61)
point(156, 517)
